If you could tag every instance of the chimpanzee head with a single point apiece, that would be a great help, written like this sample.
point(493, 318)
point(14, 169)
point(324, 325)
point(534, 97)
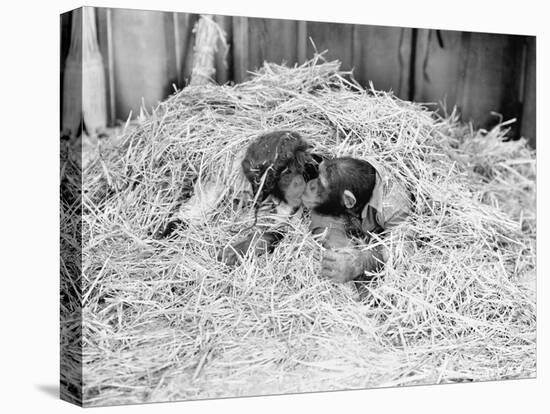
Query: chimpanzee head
point(344, 186)
point(279, 164)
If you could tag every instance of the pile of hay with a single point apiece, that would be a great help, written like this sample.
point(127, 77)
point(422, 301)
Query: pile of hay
point(163, 320)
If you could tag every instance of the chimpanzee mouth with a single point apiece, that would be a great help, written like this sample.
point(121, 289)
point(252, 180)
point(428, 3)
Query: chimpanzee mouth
point(307, 203)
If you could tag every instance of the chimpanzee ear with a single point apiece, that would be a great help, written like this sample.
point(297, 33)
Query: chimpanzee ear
point(348, 199)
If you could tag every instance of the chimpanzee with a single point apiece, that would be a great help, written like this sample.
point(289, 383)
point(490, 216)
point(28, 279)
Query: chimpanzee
point(351, 197)
point(277, 164)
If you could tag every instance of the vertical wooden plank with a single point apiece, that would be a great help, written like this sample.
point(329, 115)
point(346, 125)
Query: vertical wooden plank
point(65, 41)
point(357, 52)
point(420, 52)
point(104, 33)
point(186, 23)
point(413, 71)
point(382, 55)
point(490, 82)
point(302, 41)
point(111, 65)
point(529, 114)
point(140, 59)
point(272, 40)
point(94, 91)
point(440, 71)
point(240, 48)
point(510, 104)
point(477, 72)
point(337, 38)
point(72, 80)
point(404, 62)
point(65, 36)
point(224, 61)
point(177, 49)
point(462, 86)
point(173, 75)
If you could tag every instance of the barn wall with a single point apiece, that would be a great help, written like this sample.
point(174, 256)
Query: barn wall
point(147, 53)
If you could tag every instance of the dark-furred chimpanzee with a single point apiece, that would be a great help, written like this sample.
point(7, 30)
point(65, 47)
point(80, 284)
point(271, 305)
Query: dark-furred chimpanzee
point(277, 164)
point(352, 197)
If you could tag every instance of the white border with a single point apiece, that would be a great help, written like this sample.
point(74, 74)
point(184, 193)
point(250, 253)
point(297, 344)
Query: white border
point(29, 171)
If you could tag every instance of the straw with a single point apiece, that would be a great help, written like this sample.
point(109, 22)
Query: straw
point(164, 320)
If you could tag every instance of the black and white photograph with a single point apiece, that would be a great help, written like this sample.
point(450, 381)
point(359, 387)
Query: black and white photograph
point(255, 206)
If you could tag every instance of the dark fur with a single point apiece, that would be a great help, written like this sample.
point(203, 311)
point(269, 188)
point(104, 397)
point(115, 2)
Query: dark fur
point(280, 155)
point(346, 173)
point(277, 153)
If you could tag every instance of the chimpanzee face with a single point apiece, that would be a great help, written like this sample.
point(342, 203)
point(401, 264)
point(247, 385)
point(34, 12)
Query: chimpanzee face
point(291, 186)
point(317, 191)
point(343, 187)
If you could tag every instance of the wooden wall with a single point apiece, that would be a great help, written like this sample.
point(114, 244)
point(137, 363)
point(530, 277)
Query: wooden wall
point(147, 52)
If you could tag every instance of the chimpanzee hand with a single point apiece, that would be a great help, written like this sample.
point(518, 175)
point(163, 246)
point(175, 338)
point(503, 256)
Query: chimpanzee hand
point(235, 252)
point(344, 265)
